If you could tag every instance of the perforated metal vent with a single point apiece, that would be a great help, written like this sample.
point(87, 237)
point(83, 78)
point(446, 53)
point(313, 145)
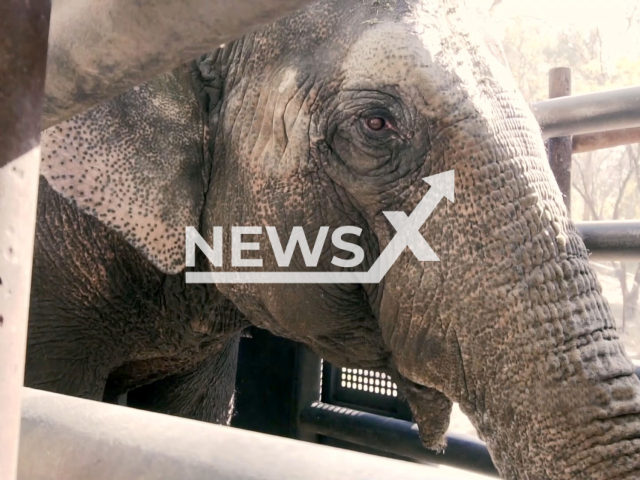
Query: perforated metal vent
point(369, 381)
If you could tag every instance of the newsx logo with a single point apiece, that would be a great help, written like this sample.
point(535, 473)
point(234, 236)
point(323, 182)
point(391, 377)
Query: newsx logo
point(407, 235)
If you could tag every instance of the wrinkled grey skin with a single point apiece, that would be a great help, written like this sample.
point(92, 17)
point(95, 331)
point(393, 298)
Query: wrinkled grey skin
point(272, 130)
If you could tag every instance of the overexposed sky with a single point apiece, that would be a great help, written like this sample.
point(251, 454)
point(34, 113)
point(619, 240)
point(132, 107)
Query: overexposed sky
point(608, 15)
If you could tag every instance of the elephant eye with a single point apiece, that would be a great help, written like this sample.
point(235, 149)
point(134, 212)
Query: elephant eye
point(376, 123)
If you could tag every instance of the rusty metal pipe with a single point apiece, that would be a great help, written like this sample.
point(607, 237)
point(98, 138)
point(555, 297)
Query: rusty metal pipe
point(589, 113)
point(598, 141)
point(99, 49)
point(559, 148)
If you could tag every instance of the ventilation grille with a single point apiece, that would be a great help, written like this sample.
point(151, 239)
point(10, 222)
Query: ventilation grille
point(368, 381)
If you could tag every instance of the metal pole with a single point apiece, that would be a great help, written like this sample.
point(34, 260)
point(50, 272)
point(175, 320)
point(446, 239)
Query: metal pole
point(24, 26)
point(307, 384)
point(589, 113)
point(395, 436)
point(560, 148)
point(74, 439)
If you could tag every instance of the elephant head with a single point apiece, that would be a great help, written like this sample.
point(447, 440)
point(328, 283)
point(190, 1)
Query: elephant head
point(331, 118)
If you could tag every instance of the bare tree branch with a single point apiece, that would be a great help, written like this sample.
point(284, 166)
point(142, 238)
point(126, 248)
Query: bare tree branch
point(621, 192)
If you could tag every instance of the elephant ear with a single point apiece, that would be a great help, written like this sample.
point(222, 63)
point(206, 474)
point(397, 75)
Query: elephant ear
point(138, 163)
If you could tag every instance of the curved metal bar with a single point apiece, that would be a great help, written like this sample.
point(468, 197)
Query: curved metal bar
point(99, 49)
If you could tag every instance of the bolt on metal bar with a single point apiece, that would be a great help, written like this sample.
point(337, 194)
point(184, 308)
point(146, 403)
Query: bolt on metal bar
point(24, 26)
point(395, 436)
point(76, 439)
point(559, 148)
point(589, 113)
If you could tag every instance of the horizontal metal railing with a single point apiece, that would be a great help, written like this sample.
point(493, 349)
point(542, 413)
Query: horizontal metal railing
point(394, 436)
point(397, 437)
point(611, 240)
point(76, 439)
point(601, 140)
point(590, 113)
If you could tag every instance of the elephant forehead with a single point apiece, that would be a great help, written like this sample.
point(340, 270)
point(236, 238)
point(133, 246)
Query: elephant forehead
point(390, 53)
point(433, 58)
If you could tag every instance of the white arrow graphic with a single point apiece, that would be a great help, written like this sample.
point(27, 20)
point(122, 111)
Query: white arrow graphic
point(407, 235)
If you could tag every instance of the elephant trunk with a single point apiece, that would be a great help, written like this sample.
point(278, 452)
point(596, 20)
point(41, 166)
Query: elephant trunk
point(511, 323)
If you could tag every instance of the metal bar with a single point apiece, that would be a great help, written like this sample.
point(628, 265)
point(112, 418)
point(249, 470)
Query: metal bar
point(599, 141)
point(23, 52)
point(99, 49)
point(276, 378)
point(611, 240)
point(395, 436)
point(76, 439)
point(560, 147)
point(308, 368)
point(591, 113)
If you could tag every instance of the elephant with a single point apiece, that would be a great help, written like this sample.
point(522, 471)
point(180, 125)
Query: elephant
point(333, 117)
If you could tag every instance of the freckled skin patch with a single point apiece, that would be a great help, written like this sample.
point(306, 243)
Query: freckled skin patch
point(137, 164)
point(510, 323)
